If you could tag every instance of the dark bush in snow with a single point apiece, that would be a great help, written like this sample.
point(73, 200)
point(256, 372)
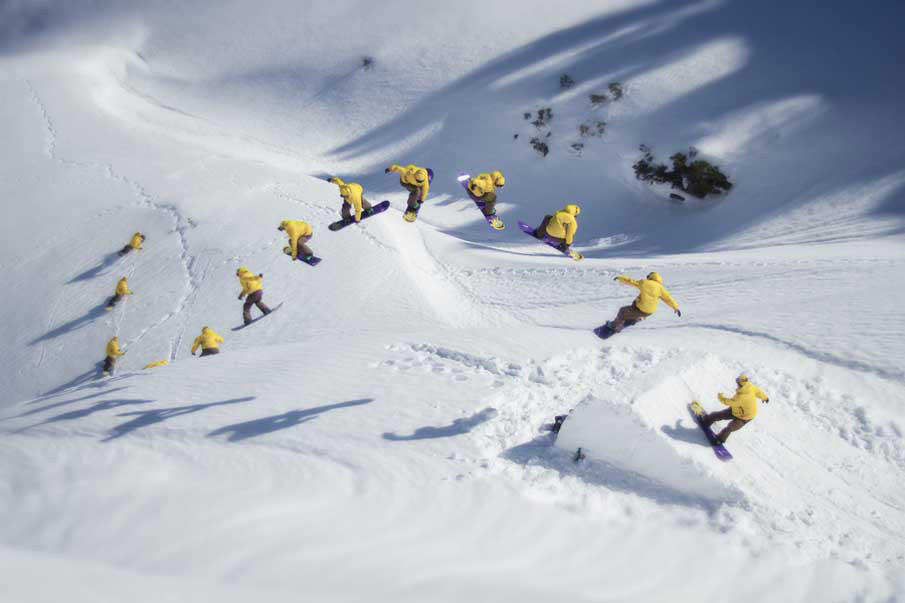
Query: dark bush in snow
point(699, 178)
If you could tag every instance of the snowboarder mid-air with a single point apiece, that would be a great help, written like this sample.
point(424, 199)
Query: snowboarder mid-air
point(352, 200)
point(560, 227)
point(252, 288)
point(742, 408)
point(122, 289)
point(299, 234)
point(482, 190)
point(134, 243)
point(113, 352)
point(416, 180)
point(652, 291)
point(209, 342)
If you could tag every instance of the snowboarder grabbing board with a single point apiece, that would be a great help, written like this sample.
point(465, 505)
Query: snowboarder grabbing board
point(482, 190)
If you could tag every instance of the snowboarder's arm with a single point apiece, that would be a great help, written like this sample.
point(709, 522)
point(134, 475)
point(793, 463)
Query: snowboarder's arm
point(293, 245)
point(196, 344)
point(760, 394)
point(356, 203)
point(424, 188)
point(394, 168)
point(668, 300)
point(725, 400)
point(629, 281)
point(571, 227)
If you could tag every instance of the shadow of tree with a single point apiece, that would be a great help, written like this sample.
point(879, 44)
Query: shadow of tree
point(145, 418)
point(65, 402)
point(457, 427)
point(265, 425)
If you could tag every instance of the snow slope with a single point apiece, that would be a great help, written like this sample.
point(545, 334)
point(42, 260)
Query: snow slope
point(378, 436)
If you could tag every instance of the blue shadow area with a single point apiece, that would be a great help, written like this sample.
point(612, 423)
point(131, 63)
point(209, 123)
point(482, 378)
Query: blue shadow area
point(457, 427)
point(146, 418)
point(258, 427)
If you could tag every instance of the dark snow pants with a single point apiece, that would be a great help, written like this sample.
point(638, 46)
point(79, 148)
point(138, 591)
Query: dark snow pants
point(114, 300)
point(724, 415)
point(125, 250)
point(414, 200)
point(109, 361)
point(301, 250)
point(347, 212)
point(254, 299)
point(629, 313)
point(209, 351)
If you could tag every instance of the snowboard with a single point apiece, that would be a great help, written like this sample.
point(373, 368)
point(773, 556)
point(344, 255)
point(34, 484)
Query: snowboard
point(528, 230)
point(311, 261)
point(376, 209)
point(494, 221)
point(412, 214)
point(697, 412)
point(605, 332)
point(254, 320)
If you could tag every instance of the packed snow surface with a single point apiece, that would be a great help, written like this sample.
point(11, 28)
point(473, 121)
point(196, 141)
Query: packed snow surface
point(380, 437)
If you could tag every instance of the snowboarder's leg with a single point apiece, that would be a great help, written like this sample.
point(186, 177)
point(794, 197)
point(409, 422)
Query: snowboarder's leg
point(125, 250)
point(489, 204)
point(721, 415)
point(625, 314)
point(113, 300)
point(109, 361)
point(346, 211)
point(365, 206)
point(246, 311)
point(541, 231)
point(734, 425)
point(412, 203)
point(303, 250)
point(255, 298)
point(209, 351)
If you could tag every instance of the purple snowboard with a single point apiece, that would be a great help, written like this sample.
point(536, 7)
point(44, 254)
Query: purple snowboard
point(529, 230)
point(380, 207)
point(718, 449)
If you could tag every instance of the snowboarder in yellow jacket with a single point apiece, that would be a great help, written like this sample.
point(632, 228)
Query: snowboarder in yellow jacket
point(482, 189)
point(352, 199)
point(251, 287)
point(416, 180)
point(560, 227)
point(122, 289)
point(134, 243)
point(652, 291)
point(299, 234)
point(209, 342)
point(113, 353)
point(742, 407)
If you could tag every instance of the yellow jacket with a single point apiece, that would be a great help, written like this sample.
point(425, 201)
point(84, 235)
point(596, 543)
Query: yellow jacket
point(156, 364)
point(295, 230)
point(482, 184)
point(351, 194)
point(113, 348)
point(122, 287)
point(208, 340)
point(652, 291)
point(414, 176)
point(135, 242)
point(744, 402)
point(563, 225)
point(250, 282)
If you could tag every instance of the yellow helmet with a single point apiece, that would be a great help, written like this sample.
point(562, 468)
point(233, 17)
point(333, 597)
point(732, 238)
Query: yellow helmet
point(240, 271)
point(572, 209)
point(743, 378)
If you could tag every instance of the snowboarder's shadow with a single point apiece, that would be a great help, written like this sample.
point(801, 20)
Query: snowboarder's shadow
point(457, 427)
point(692, 435)
point(108, 261)
point(94, 313)
point(265, 425)
point(85, 377)
point(146, 418)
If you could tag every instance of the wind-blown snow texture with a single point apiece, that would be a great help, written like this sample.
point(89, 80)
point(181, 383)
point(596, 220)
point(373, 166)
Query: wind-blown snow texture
point(378, 438)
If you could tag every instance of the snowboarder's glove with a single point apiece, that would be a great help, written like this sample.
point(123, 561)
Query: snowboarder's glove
point(241, 295)
point(679, 313)
point(386, 171)
point(261, 274)
point(615, 278)
point(767, 401)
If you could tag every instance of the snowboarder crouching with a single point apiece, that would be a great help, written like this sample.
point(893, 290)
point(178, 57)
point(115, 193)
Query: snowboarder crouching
point(352, 199)
point(251, 286)
point(122, 289)
point(134, 243)
point(209, 342)
point(113, 353)
point(652, 291)
point(416, 181)
point(482, 190)
point(742, 408)
point(299, 234)
point(560, 227)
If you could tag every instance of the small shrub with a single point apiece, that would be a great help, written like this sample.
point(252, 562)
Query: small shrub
point(544, 116)
point(698, 178)
point(598, 99)
point(616, 90)
point(592, 129)
point(577, 147)
point(566, 81)
point(540, 146)
point(514, 136)
point(527, 115)
point(367, 63)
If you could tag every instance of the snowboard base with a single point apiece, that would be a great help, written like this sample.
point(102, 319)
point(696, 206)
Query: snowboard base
point(254, 320)
point(697, 412)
